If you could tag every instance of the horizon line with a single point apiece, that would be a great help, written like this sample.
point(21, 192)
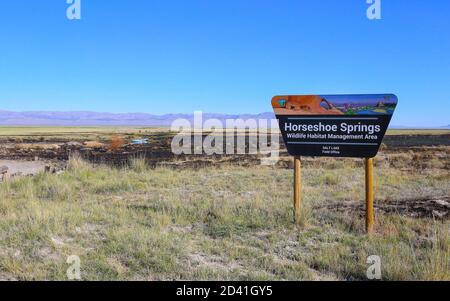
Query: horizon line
point(442, 127)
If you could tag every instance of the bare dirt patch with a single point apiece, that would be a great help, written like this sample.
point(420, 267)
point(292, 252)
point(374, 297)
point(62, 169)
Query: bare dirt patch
point(17, 167)
point(436, 207)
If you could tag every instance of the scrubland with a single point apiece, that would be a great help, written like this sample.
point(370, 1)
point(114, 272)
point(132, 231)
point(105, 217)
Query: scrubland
point(226, 222)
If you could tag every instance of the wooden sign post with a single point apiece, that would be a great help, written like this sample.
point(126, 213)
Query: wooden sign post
point(369, 196)
point(298, 191)
point(334, 126)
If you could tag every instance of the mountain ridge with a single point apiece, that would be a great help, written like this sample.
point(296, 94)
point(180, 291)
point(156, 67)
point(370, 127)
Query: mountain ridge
point(89, 118)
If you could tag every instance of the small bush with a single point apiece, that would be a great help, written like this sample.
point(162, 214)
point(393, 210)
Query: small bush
point(117, 142)
point(330, 179)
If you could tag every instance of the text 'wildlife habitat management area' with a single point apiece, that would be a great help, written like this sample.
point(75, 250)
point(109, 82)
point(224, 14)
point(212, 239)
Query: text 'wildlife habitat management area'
point(334, 125)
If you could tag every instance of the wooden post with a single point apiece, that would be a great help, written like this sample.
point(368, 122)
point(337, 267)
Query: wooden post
point(297, 191)
point(369, 196)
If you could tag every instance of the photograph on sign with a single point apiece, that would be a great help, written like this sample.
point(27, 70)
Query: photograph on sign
point(334, 125)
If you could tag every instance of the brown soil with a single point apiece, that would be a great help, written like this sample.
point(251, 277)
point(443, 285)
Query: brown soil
point(436, 207)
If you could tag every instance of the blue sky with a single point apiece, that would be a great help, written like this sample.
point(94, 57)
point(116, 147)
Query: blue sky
point(224, 56)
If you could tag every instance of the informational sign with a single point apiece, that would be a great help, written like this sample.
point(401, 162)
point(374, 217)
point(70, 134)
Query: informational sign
point(334, 125)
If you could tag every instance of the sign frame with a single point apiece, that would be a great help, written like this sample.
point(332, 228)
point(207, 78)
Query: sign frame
point(334, 126)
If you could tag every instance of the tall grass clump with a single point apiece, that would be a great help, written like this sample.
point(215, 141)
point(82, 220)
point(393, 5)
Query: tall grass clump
point(138, 164)
point(77, 163)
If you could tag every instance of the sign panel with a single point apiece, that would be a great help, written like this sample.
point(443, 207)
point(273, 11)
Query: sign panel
point(334, 125)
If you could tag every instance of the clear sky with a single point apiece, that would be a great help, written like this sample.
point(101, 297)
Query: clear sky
point(223, 56)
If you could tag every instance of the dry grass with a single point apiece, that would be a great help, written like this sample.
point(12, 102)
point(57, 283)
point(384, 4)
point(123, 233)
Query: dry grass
point(55, 133)
point(228, 223)
point(116, 143)
point(104, 134)
point(94, 144)
point(42, 146)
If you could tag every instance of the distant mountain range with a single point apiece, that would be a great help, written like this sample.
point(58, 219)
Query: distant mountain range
point(84, 118)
